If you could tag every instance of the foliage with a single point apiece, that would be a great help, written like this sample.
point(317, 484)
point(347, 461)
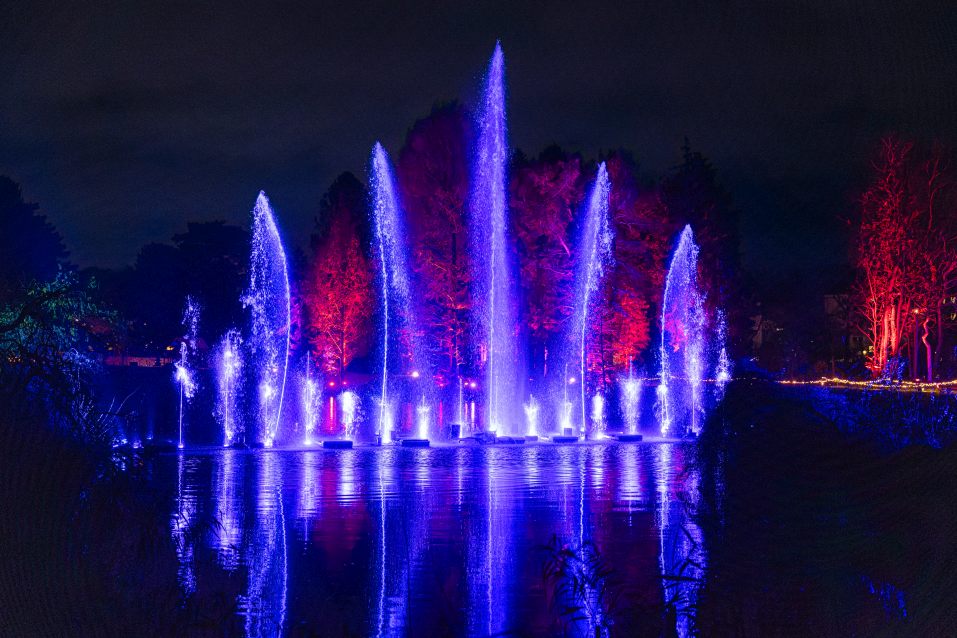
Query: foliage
point(581, 586)
point(544, 196)
point(338, 291)
point(433, 177)
point(906, 257)
point(631, 294)
point(48, 336)
point(209, 262)
point(692, 194)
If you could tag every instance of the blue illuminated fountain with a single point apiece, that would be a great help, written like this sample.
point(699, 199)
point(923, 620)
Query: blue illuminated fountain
point(688, 347)
point(397, 306)
point(596, 252)
point(229, 367)
point(268, 301)
point(182, 369)
point(631, 402)
point(494, 305)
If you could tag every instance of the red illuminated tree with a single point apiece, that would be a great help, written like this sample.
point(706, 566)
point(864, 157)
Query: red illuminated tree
point(338, 290)
point(632, 289)
point(886, 247)
point(935, 281)
point(906, 257)
point(433, 175)
point(544, 195)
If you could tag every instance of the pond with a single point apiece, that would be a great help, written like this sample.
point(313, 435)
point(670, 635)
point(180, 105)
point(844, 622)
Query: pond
point(775, 522)
point(397, 541)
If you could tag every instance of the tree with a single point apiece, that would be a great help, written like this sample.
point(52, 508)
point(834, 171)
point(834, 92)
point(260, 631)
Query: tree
point(887, 257)
point(935, 279)
point(338, 291)
point(544, 195)
point(31, 247)
point(433, 176)
point(214, 257)
point(691, 194)
point(631, 294)
point(48, 333)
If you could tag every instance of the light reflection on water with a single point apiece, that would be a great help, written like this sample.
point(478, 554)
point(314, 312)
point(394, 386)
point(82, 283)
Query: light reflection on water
point(395, 541)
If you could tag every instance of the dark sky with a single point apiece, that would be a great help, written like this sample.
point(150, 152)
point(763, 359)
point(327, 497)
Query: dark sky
point(125, 120)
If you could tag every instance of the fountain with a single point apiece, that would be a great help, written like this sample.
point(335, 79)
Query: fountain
point(630, 407)
point(182, 373)
point(687, 345)
point(268, 300)
point(494, 306)
point(350, 411)
point(422, 412)
point(228, 368)
point(722, 374)
point(394, 279)
point(596, 251)
point(598, 413)
point(532, 410)
point(310, 403)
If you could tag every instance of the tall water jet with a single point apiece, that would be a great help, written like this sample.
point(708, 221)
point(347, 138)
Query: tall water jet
point(489, 220)
point(268, 300)
point(595, 251)
point(397, 307)
point(229, 366)
point(682, 350)
point(182, 373)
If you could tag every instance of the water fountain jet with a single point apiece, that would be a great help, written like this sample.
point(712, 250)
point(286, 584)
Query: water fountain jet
point(269, 303)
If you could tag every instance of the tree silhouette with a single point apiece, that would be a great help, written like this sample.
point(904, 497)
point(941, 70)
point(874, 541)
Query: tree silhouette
point(31, 247)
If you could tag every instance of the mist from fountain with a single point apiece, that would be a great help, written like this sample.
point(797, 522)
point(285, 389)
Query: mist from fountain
point(398, 312)
point(229, 366)
point(494, 306)
point(182, 369)
point(350, 411)
point(595, 248)
point(311, 396)
point(532, 411)
point(598, 413)
point(269, 304)
point(631, 402)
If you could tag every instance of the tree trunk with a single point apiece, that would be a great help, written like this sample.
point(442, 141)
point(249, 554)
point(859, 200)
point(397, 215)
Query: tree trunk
point(940, 330)
point(929, 350)
point(915, 355)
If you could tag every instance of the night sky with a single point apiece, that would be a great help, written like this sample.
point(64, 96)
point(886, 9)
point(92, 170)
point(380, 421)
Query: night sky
point(125, 120)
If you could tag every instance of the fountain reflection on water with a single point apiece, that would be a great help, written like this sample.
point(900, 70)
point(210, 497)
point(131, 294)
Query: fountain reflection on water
point(479, 514)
